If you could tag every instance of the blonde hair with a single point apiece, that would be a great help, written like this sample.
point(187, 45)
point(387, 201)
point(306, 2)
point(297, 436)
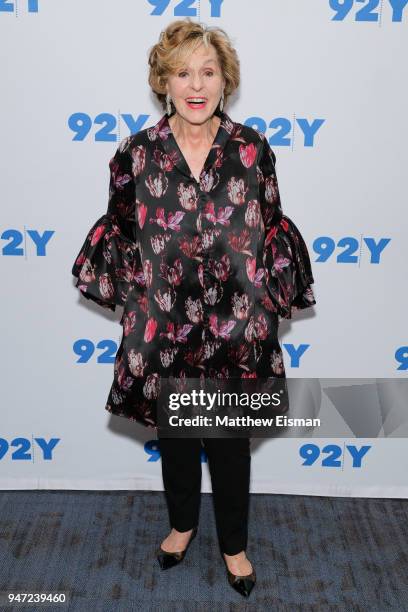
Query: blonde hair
point(178, 41)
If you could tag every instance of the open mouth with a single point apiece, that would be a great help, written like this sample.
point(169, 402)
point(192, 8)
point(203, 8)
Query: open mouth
point(196, 102)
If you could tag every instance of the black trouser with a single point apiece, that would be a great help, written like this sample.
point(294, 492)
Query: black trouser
point(230, 463)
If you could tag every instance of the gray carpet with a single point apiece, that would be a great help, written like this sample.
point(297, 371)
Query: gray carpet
point(310, 553)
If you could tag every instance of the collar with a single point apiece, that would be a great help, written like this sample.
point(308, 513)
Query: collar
point(163, 132)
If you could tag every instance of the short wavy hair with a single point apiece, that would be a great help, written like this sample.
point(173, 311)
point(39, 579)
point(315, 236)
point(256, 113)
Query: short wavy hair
point(177, 42)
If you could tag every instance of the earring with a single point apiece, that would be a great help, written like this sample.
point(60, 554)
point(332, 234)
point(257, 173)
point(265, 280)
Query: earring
point(168, 102)
point(222, 101)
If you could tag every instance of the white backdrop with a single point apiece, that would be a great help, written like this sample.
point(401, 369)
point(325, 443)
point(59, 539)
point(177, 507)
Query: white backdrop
point(74, 83)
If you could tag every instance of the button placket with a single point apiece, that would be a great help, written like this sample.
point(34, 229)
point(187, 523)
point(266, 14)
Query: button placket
point(205, 259)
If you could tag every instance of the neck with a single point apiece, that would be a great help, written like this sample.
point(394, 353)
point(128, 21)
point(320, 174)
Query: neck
point(184, 131)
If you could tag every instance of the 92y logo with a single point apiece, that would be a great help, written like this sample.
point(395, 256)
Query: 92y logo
point(401, 356)
point(332, 455)
point(23, 449)
point(348, 250)
point(81, 124)
point(367, 12)
point(185, 8)
point(285, 129)
point(7, 6)
point(152, 449)
point(16, 238)
point(86, 349)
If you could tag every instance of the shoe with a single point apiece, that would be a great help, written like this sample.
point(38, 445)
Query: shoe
point(242, 584)
point(170, 559)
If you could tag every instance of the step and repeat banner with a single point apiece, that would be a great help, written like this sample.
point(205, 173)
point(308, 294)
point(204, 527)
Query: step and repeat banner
point(325, 81)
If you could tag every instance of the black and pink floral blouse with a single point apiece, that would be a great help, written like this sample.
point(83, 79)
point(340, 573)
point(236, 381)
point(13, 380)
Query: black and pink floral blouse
point(203, 269)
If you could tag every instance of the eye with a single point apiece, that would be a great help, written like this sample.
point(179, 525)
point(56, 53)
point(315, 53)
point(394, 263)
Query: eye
point(209, 72)
point(182, 73)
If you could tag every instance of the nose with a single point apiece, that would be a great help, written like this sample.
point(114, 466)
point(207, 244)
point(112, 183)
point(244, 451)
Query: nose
point(196, 82)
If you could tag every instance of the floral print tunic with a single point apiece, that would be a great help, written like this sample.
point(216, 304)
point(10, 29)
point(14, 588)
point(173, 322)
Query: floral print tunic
point(203, 269)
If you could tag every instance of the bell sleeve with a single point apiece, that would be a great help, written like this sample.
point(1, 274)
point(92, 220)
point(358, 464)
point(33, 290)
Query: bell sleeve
point(108, 263)
point(288, 271)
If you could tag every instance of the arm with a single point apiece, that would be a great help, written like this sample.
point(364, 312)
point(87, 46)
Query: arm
point(108, 263)
point(286, 259)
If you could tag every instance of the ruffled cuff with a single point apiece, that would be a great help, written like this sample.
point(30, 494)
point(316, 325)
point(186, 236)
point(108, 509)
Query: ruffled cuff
point(288, 270)
point(107, 264)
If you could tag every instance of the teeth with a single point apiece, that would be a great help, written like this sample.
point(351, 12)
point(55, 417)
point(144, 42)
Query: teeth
point(195, 99)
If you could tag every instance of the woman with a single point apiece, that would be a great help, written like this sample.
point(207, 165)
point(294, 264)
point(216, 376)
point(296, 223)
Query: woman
point(194, 245)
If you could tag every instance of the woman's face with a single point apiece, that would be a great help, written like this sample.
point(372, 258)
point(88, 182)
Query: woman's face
point(201, 79)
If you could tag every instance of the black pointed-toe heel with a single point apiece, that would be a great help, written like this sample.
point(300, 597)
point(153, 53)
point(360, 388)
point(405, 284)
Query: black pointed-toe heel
point(170, 559)
point(242, 584)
